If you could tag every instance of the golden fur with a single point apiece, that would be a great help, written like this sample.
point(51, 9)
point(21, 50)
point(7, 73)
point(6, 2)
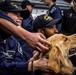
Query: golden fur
point(59, 53)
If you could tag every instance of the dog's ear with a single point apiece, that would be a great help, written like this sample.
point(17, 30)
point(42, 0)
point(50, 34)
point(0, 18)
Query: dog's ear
point(66, 66)
point(58, 61)
point(54, 62)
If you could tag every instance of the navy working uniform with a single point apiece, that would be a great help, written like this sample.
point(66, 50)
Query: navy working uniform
point(4, 35)
point(55, 13)
point(27, 50)
point(69, 22)
point(12, 61)
point(11, 58)
point(27, 23)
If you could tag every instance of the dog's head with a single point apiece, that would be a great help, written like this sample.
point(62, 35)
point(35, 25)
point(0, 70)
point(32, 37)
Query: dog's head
point(59, 53)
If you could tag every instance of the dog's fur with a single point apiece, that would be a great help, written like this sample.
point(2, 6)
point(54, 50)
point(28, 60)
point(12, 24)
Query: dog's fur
point(58, 54)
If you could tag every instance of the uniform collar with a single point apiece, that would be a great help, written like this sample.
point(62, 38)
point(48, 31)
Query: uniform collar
point(52, 6)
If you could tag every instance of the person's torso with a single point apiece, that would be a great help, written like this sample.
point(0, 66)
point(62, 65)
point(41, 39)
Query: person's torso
point(27, 50)
point(55, 12)
point(69, 22)
point(27, 24)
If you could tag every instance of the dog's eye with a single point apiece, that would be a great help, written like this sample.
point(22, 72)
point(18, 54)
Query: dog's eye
point(65, 39)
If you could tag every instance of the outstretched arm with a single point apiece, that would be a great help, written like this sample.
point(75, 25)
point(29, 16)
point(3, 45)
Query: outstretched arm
point(35, 40)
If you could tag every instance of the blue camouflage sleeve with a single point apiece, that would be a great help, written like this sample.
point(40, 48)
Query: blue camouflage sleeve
point(3, 15)
point(11, 58)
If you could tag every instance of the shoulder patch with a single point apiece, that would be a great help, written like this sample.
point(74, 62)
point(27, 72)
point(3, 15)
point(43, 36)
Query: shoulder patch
point(52, 10)
point(46, 17)
point(9, 54)
point(20, 49)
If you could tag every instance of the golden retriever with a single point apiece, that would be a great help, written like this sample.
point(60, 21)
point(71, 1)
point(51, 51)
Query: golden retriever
point(58, 54)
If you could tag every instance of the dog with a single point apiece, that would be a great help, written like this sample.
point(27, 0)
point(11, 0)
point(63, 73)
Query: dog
point(58, 54)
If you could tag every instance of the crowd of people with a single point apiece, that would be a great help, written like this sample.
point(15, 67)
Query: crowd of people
point(20, 35)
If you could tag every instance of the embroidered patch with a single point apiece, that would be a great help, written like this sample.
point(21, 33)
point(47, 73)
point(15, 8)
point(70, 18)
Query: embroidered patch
point(53, 9)
point(20, 49)
point(13, 4)
point(9, 54)
point(46, 17)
